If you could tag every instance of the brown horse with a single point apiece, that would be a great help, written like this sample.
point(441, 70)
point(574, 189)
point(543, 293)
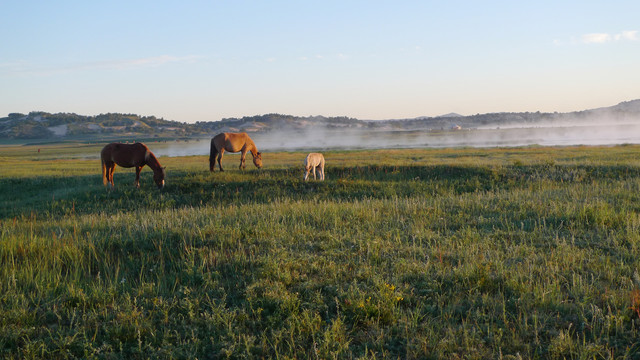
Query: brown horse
point(233, 142)
point(130, 155)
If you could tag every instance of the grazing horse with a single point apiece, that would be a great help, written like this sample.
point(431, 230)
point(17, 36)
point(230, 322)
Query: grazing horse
point(233, 142)
point(311, 163)
point(130, 155)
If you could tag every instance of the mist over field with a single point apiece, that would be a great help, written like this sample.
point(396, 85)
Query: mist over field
point(323, 139)
point(618, 124)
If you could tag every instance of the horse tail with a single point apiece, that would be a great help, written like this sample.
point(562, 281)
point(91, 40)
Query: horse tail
point(104, 172)
point(212, 155)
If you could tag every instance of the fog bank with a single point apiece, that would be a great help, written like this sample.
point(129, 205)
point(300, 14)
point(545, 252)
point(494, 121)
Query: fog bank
point(324, 139)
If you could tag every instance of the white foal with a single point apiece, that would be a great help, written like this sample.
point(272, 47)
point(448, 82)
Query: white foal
point(313, 161)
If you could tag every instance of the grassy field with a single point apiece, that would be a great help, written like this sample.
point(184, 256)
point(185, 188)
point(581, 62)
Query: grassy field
point(431, 253)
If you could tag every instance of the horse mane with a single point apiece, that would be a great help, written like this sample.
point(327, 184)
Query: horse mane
point(152, 160)
point(253, 149)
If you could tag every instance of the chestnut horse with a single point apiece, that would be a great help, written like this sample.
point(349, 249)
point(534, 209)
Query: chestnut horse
point(233, 142)
point(130, 155)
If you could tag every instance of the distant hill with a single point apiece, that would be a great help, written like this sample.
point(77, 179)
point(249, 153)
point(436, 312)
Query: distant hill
point(42, 125)
point(450, 115)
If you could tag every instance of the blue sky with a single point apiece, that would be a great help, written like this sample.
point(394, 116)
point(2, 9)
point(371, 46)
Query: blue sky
point(207, 60)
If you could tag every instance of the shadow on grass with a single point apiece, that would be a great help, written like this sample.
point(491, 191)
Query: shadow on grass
point(62, 196)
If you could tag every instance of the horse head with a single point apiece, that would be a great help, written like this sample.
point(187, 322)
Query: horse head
point(158, 177)
point(257, 160)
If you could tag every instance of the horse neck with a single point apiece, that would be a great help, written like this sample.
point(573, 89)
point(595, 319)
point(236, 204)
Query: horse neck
point(153, 162)
point(251, 146)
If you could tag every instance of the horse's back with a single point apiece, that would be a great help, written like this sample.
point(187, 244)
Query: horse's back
point(232, 142)
point(125, 155)
point(314, 159)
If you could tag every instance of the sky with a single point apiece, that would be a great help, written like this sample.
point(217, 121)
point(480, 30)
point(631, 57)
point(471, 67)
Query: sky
point(208, 60)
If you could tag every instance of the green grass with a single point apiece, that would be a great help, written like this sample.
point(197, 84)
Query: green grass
point(428, 253)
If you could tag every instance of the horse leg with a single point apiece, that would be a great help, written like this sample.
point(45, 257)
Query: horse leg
point(321, 172)
point(306, 173)
point(220, 158)
point(111, 168)
point(137, 182)
point(242, 156)
point(212, 156)
point(104, 173)
point(314, 172)
point(107, 172)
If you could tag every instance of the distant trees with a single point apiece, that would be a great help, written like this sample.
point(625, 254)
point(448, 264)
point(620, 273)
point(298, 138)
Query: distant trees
point(37, 123)
point(30, 131)
point(14, 116)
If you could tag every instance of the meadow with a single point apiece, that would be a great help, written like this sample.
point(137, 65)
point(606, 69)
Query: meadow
point(467, 253)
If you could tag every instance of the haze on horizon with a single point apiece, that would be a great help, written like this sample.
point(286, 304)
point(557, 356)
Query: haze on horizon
point(204, 61)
